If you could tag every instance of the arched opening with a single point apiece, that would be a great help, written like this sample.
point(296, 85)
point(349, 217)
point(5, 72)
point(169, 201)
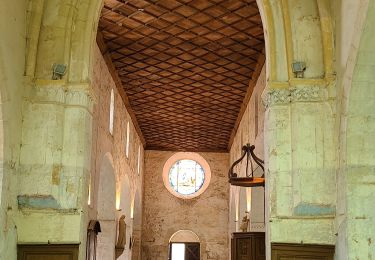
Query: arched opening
point(125, 209)
point(184, 245)
point(293, 33)
point(106, 207)
point(357, 135)
point(137, 226)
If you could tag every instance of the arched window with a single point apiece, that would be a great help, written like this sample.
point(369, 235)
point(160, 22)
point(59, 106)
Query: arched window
point(186, 175)
point(111, 112)
point(127, 139)
point(139, 160)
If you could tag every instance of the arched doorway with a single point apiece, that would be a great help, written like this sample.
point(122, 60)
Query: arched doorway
point(184, 244)
point(106, 206)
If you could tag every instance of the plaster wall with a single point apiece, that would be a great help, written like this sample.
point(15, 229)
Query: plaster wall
point(165, 214)
point(250, 130)
point(12, 64)
point(355, 66)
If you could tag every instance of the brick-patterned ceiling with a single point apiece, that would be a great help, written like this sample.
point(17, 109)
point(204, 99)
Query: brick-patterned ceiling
point(185, 66)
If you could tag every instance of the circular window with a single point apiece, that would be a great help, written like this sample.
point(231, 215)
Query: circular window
point(186, 175)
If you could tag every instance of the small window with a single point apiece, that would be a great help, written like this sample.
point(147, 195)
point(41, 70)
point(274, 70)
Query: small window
point(111, 112)
point(127, 139)
point(186, 175)
point(139, 160)
point(256, 117)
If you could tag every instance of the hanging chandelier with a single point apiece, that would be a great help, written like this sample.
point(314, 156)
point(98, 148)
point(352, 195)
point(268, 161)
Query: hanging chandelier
point(249, 180)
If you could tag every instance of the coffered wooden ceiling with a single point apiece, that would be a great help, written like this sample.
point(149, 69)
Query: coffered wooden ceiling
point(186, 66)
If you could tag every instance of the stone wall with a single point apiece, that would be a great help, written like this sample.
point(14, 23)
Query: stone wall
point(105, 145)
point(250, 130)
point(165, 214)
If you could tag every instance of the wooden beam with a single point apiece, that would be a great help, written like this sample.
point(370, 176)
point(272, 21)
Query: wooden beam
point(249, 92)
point(112, 70)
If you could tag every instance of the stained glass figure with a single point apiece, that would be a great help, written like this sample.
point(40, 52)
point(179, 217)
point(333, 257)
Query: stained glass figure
point(186, 176)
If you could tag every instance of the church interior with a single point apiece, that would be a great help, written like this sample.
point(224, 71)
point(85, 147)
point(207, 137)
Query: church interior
point(187, 129)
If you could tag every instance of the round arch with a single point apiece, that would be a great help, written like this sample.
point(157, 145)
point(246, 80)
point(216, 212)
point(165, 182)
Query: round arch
point(137, 225)
point(357, 136)
point(124, 207)
point(106, 207)
point(285, 27)
point(184, 236)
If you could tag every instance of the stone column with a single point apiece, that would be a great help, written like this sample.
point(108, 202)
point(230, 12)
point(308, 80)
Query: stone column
point(54, 162)
point(300, 162)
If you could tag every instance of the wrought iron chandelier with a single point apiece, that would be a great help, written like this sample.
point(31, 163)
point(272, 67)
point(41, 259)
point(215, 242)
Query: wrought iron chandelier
point(249, 180)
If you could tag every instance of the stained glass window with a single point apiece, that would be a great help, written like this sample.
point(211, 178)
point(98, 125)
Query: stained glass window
point(186, 176)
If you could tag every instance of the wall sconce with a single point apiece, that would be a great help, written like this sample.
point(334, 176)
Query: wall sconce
point(59, 71)
point(299, 69)
point(249, 180)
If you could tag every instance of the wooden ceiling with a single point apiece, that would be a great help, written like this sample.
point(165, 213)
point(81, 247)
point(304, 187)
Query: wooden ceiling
point(185, 66)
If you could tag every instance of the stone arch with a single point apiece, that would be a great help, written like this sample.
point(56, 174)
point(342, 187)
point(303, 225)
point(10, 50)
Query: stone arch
point(62, 32)
point(297, 31)
point(137, 225)
point(355, 222)
point(125, 208)
point(106, 207)
point(184, 236)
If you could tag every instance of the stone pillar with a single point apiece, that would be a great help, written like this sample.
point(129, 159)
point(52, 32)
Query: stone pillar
point(300, 162)
point(54, 163)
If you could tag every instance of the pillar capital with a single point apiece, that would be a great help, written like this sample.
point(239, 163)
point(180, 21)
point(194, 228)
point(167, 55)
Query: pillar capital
point(64, 93)
point(293, 94)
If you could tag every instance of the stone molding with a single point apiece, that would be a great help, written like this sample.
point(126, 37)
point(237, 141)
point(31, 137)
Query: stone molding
point(61, 94)
point(283, 96)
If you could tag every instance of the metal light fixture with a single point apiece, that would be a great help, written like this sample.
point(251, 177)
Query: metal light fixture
point(299, 68)
point(59, 71)
point(249, 180)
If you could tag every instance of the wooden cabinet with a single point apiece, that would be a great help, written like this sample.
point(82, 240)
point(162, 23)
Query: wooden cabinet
point(282, 251)
point(47, 252)
point(248, 246)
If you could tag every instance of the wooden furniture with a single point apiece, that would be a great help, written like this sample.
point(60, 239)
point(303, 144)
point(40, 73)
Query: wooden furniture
point(248, 246)
point(281, 251)
point(48, 252)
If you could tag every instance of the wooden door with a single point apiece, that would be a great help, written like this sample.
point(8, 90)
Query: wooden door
point(192, 251)
point(47, 252)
